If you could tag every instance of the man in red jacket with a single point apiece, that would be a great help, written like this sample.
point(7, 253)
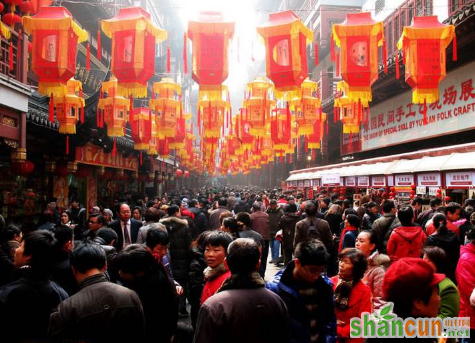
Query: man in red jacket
point(408, 239)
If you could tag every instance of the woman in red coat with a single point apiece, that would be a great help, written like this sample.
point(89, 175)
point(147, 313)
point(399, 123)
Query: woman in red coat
point(352, 296)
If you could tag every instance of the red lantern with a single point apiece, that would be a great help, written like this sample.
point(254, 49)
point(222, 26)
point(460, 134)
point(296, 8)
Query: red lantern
point(133, 49)
point(22, 168)
point(358, 38)
point(425, 37)
point(411, 196)
point(392, 189)
point(447, 199)
point(114, 109)
point(210, 36)
point(141, 126)
point(281, 131)
point(413, 186)
point(179, 173)
point(62, 170)
point(26, 7)
point(55, 40)
point(187, 174)
point(11, 18)
point(67, 107)
point(258, 105)
point(167, 107)
point(286, 39)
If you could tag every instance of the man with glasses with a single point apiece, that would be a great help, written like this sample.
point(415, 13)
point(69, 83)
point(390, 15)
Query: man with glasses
point(308, 294)
point(127, 228)
point(94, 223)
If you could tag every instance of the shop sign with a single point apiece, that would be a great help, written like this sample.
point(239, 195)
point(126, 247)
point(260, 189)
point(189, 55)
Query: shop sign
point(316, 182)
point(429, 179)
point(306, 183)
point(363, 181)
point(93, 155)
point(300, 184)
point(350, 181)
point(460, 179)
point(403, 180)
point(330, 180)
point(421, 190)
point(390, 180)
point(433, 191)
point(378, 181)
point(397, 120)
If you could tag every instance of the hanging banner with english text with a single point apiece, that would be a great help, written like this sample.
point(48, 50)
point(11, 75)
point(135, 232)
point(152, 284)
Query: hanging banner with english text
point(397, 120)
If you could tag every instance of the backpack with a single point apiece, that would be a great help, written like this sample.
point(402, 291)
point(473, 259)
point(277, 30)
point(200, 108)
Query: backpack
point(312, 231)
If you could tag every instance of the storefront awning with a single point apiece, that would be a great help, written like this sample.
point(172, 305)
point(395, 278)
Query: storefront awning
point(429, 163)
point(381, 168)
point(404, 166)
point(363, 170)
point(457, 161)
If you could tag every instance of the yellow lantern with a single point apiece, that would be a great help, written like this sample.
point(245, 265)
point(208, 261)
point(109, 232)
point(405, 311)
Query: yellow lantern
point(115, 109)
point(351, 112)
point(258, 105)
point(67, 107)
point(167, 107)
point(307, 108)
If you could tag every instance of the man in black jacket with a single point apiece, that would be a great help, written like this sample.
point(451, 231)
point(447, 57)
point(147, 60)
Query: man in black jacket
point(384, 224)
point(126, 228)
point(201, 222)
point(101, 311)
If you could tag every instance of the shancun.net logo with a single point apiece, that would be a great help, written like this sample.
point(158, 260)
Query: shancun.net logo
point(386, 324)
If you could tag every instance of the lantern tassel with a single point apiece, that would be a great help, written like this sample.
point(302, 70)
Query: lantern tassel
point(289, 123)
point(141, 158)
point(99, 49)
point(454, 47)
point(332, 48)
point(327, 127)
point(51, 108)
point(82, 113)
point(114, 147)
point(306, 143)
point(397, 65)
point(199, 119)
point(337, 64)
point(18, 49)
point(313, 154)
point(67, 144)
point(316, 53)
point(335, 114)
point(131, 111)
point(425, 112)
point(185, 60)
point(168, 60)
point(10, 52)
point(88, 56)
point(385, 56)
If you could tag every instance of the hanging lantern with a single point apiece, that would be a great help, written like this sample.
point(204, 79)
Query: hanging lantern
point(314, 139)
point(423, 45)
point(359, 37)
point(68, 106)
point(166, 106)
point(351, 112)
point(210, 36)
point(163, 148)
point(212, 107)
point(133, 49)
point(307, 108)
point(286, 39)
point(141, 126)
point(258, 105)
point(178, 141)
point(115, 109)
point(281, 131)
point(153, 144)
point(244, 131)
point(55, 40)
point(22, 168)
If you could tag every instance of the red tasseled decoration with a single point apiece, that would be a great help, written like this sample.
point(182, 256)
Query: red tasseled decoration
point(281, 158)
point(316, 53)
point(454, 47)
point(209, 116)
point(99, 49)
point(367, 115)
point(351, 138)
point(337, 64)
point(327, 127)
point(82, 114)
point(141, 157)
point(335, 114)
point(425, 112)
point(131, 110)
point(51, 108)
point(360, 114)
point(185, 59)
point(67, 144)
point(397, 65)
point(168, 60)
point(114, 148)
point(332, 48)
point(181, 111)
point(10, 52)
point(313, 154)
point(18, 49)
point(88, 57)
point(385, 56)
point(306, 144)
point(289, 118)
point(199, 120)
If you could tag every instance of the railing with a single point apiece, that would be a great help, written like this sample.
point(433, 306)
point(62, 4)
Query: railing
point(19, 66)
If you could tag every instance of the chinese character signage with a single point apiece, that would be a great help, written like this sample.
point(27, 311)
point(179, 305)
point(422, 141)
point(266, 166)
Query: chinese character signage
point(93, 155)
point(398, 120)
point(403, 180)
point(363, 181)
point(306, 183)
point(300, 184)
point(350, 181)
point(429, 179)
point(378, 181)
point(460, 179)
point(316, 183)
point(330, 180)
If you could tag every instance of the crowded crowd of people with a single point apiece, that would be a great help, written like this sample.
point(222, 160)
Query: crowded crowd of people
point(130, 272)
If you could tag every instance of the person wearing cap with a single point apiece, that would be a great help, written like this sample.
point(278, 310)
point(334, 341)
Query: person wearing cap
point(465, 275)
point(412, 285)
point(352, 296)
point(408, 239)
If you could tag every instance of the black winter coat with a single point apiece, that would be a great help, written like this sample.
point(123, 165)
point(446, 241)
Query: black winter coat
point(201, 221)
point(287, 225)
point(242, 206)
point(449, 242)
point(180, 251)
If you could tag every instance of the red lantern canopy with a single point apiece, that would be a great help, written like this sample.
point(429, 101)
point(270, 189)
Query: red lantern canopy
point(286, 39)
point(133, 49)
point(423, 45)
point(141, 126)
point(210, 36)
point(358, 38)
point(55, 40)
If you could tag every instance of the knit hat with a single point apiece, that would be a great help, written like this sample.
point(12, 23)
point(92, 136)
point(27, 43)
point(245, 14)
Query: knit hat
point(409, 277)
point(184, 203)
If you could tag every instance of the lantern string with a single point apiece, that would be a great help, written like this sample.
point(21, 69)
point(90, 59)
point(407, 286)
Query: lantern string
point(454, 47)
point(425, 112)
point(99, 49)
point(88, 57)
point(10, 52)
point(397, 65)
point(51, 108)
point(67, 144)
point(337, 64)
